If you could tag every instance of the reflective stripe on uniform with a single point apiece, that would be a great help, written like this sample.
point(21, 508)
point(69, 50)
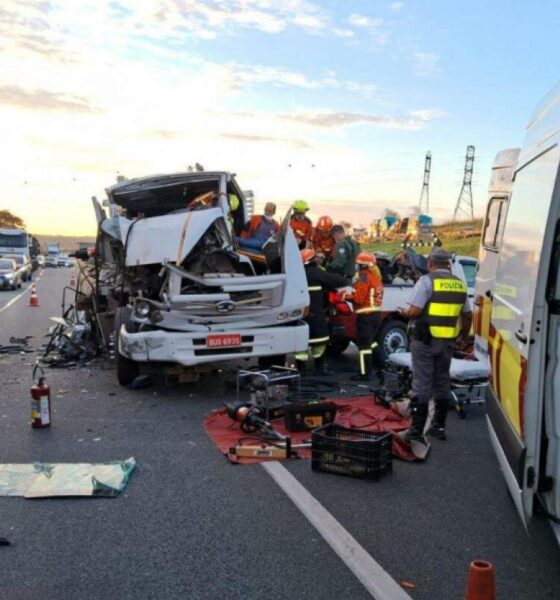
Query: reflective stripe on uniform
point(444, 332)
point(315, 288)
point(320, 340)
point(368, 309)
point(442, 309)
point(363, 354)
point(317, 350)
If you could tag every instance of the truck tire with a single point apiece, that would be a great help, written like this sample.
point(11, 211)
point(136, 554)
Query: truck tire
point(392, 337)
point(337, 347)
point(127, 370)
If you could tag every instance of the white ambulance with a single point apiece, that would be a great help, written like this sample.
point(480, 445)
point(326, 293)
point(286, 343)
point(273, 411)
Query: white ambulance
point(517, 313)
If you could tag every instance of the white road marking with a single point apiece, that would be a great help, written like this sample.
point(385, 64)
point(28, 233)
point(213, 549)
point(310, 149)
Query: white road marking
point(370, 573)
point(16, 298)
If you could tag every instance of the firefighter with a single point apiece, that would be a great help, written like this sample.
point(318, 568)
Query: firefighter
point(261, 227)
point(322, 239)
point(439, 300)
point(344, 255)
point(318, 282)
point(367, 297)
point(301, 224)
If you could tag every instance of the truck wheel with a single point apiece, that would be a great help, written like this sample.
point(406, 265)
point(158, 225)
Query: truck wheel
point(337, 346)
point(392, 337)
point(127, 370)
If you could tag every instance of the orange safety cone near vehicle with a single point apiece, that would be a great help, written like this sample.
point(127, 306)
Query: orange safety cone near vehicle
point(33, 300)
point(480, 584)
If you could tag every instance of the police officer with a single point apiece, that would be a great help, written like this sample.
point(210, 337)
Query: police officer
point(318, 282)
point(440, 312)
point(367, 297)
point(344, 255)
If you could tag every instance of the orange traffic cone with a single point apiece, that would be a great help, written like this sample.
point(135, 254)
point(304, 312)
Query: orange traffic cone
point(33, 300)
point(480, 584)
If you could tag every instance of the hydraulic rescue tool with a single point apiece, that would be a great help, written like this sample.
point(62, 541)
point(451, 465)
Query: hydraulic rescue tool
point(271, 443)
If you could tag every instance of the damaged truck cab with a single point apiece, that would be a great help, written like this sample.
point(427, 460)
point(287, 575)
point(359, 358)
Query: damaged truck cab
point(180, 287)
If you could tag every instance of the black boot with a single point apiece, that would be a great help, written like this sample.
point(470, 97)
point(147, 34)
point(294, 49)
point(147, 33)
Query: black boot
point(437, 429)
point(321, 367)
point(418, 416)
point(302, 367)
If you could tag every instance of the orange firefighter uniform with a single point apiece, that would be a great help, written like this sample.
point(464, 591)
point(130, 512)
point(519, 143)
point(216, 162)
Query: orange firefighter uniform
point(367, 297)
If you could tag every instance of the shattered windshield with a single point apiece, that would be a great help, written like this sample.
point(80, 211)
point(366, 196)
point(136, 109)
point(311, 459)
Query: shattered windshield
point(143, 200)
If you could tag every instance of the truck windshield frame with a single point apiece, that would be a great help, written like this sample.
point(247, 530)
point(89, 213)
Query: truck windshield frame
point(17, 240)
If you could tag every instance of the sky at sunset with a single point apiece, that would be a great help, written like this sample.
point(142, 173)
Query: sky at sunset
point(335, 102)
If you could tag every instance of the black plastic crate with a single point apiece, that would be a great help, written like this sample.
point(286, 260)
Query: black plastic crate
point(351, 452)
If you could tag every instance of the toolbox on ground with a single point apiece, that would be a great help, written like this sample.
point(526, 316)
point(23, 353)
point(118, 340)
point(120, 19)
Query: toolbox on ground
point(351, 452)
point(305, 416)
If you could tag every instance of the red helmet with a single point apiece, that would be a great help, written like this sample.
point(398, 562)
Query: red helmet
point(324, 223)
point(366, 258)
point(307, 255)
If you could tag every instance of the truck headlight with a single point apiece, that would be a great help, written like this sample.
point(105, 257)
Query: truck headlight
point(142, 309)
point(282, 316)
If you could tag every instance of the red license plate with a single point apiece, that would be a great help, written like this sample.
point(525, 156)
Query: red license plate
point(226, 340)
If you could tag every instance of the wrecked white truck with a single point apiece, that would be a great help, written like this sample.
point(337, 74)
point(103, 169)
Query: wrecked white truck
point(181, 289)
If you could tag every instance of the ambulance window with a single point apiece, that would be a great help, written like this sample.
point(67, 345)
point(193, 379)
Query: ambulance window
point(494, 225)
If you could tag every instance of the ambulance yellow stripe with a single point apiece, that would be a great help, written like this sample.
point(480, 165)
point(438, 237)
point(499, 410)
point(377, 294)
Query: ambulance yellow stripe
point(509, 379)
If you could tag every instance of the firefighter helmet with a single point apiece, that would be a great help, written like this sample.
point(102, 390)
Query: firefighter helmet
point(233, 202)
point(324, 223)
point(307, 255)
point(367, 259)
point(300, 206)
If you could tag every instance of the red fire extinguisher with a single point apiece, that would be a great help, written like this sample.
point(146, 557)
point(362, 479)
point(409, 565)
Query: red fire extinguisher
point(40, 401)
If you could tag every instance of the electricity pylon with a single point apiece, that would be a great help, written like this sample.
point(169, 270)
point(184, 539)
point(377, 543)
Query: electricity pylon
point(426, 185)
point(465, 200)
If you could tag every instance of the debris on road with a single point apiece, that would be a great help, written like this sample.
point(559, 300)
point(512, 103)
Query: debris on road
point(16, 346)
point(48, 480)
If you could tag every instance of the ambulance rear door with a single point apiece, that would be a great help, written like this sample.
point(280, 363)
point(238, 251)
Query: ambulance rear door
point(517, 330)
point(499, 191)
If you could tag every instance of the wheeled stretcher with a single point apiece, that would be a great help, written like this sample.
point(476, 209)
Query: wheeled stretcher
point(469, 378)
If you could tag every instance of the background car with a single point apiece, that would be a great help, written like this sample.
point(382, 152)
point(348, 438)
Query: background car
point(51, 261)
point(10, 276)
point(64, 261)
point(23, 264)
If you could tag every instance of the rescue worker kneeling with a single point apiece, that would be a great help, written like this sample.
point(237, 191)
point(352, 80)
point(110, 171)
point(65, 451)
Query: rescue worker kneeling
point(367, 297)
point(318, 282)
point(438, 301)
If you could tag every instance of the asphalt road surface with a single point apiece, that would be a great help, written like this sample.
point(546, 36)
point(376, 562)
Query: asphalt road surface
point(191, 525)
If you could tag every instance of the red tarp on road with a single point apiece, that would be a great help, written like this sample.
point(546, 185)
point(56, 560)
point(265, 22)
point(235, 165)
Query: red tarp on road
point(355, 413)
